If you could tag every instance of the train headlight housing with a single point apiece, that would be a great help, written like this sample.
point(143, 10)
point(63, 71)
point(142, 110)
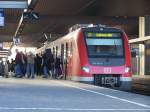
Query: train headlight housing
point(127, 69)
point(86, 69)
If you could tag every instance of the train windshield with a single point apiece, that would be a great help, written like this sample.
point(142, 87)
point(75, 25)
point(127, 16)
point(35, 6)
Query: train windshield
point(104, 44)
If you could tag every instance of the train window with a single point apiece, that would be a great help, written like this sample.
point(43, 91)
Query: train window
point(62, 51)
point(67, 50)
point(56, 51)
point(53, 50)
point(66, 53)
point(105, 47)
point(71, 48)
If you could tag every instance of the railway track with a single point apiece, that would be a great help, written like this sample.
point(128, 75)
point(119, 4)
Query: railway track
point(141, 85)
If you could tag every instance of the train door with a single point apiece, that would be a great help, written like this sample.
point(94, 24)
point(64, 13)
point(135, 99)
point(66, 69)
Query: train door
point(56, 51)
point(69, 60)
point(63, 58)
point(66, 60)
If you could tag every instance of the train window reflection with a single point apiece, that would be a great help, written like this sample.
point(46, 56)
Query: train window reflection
point(104, 47)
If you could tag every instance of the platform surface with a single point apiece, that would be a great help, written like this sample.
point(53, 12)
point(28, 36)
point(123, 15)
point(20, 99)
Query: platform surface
point(41, 95)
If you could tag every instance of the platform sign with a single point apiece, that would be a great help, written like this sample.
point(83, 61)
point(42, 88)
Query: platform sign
point(7, 45)
point(16, 41)
point(103, 35)
point(2, 17)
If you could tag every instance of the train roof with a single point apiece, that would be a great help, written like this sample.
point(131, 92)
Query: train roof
point(104, 29)
point(91, 27)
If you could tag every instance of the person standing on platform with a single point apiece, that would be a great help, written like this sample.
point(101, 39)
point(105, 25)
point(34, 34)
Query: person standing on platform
point(58, 67)
point(1, 68)
point(18, 61)
point(24, 63)
point(6, 68)
point(30, 65)
point(38, 62)
point(47, 61)
point(12, 66)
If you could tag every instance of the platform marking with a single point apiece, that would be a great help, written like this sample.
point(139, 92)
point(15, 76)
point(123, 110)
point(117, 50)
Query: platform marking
point(70, 109)
point(110, 96)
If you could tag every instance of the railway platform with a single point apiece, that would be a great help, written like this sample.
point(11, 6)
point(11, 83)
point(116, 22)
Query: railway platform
point(44, 95)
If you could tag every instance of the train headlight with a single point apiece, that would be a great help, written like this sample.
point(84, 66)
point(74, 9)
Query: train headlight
point(86, 69)
point(127, 69)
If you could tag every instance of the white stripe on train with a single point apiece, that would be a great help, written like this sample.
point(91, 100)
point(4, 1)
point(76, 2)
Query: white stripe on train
point(90, 79)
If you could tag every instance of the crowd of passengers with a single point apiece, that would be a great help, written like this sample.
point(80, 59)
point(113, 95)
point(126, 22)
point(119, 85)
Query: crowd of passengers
point(30, 65)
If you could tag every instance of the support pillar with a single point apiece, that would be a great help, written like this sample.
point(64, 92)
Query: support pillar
point(142, 46)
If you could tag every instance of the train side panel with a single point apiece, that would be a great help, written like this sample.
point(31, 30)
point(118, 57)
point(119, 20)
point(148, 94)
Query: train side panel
point(77, 66)
point(126, 78)
point(80, 59)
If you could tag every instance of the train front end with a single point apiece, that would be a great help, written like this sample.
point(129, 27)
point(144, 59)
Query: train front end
point(109, 60)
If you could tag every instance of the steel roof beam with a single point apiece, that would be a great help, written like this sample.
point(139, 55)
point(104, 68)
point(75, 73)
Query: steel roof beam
point(139, 40)
point(44, 19)
point(31, 5)
point(19, 26)
point(13, 4)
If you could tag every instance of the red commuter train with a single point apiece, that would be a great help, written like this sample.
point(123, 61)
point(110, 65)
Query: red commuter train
point(95, 54)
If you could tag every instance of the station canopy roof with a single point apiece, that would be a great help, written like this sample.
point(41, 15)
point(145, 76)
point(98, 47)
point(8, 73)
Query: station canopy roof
point(54, 17)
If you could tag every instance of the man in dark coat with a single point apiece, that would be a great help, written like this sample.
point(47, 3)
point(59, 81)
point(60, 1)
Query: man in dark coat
point(47, 61)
